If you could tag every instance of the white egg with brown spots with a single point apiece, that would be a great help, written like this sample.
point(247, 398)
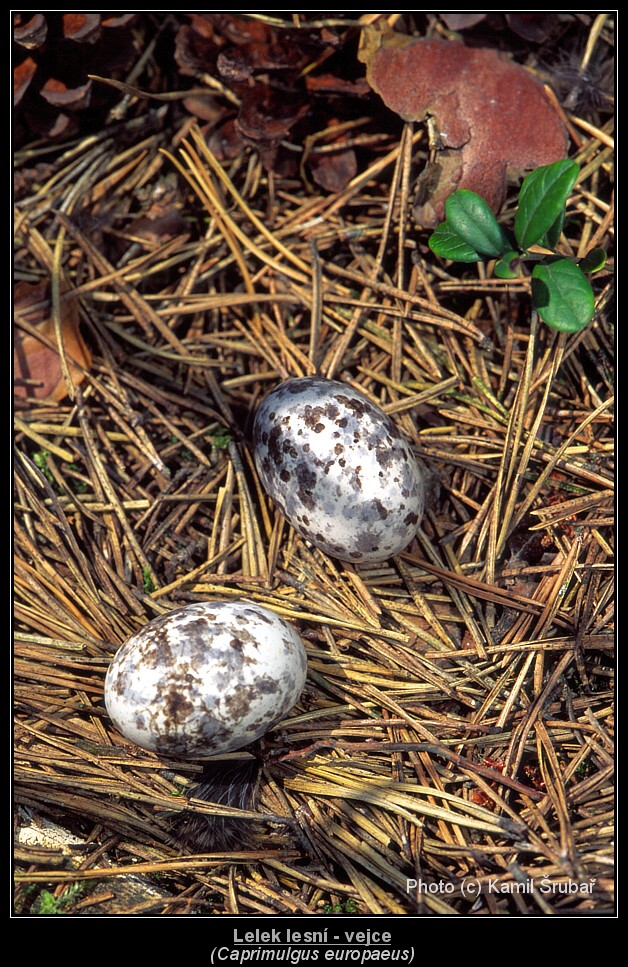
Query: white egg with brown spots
point(207, 678)
point(338, 469)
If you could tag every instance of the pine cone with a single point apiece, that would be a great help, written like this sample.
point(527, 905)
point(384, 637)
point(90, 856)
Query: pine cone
point(53, 55)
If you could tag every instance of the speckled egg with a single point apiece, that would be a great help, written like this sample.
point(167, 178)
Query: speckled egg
point(206, 678)
point(338, 469)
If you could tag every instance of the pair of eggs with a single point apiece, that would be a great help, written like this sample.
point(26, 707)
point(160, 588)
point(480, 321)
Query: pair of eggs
point(213, 677)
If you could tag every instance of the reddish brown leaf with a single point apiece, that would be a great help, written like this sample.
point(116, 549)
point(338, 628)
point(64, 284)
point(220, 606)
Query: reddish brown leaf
point(225, 141)
point(31, 301)
point(37, 372)
point(333, 172)
point(266, 115)
point(489, 114)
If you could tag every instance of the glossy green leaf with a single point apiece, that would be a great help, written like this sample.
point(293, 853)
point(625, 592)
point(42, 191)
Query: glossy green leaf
point(542, 199)
point(509, 266)
point(562, 295)
point(445, 242)
point(593, 260)
point(552, 235)
point(472, 219)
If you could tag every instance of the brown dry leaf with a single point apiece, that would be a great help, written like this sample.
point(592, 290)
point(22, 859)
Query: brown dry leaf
point(267, 115)
point(462, 21)
point(333, 170)
point(225, 141)
point(266, 69)
point(489, 114)
point(534, 27)
point(194, 46)
point(157, 227)
point(239, 48)
point(37, 372)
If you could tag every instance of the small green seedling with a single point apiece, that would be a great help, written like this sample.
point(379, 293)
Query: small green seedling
point(40, 458)
point(48, 905)
point(221, 440)
point(148, 585)
point(349, 906)
point(561, 293)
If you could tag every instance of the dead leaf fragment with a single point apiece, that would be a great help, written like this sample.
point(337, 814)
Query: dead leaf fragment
point(37, 370)
point(534, 27)
point(332, 164)
point(160, 226)
point(488, 114)
point(267, 116)
point(462, 21)
point(268, 74)
point(333, 172)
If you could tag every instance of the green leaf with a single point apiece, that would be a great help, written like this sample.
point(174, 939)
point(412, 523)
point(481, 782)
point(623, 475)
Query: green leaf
point(593, 260)
point(552, 235)
point(562, 295)
point(445, 242)
point(509, 266)
point(542, 198)
point(471, 218)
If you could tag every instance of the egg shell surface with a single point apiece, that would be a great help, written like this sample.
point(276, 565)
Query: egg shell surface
point(338, 469)
point(207, 678)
